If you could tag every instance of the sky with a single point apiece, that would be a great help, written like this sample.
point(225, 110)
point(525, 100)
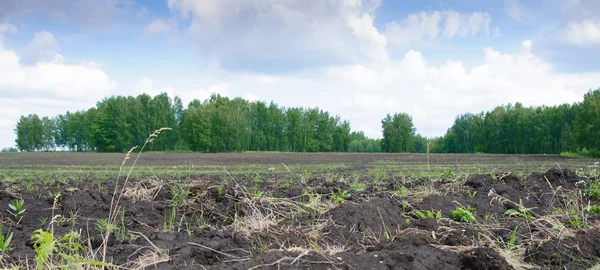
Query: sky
point(359, 59)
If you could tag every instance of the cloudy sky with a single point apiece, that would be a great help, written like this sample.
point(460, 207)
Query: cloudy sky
point(360, 59)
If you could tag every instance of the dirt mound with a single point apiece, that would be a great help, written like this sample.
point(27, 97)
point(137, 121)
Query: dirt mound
point(402, 253)
point(370, 216)
point(576, 252)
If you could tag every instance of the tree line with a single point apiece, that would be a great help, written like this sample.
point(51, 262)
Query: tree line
point(221, 124)
point(515, 129)
point(218, 124)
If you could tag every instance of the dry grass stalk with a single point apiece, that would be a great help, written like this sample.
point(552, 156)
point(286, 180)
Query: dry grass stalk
point(145, 190)
point(150, 258)
point(114, 205)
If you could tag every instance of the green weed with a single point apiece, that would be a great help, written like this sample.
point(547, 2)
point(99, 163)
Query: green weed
point(5, 240)
point(464, 214)
point(522, 211)
point(17, 209)
point(341, 196)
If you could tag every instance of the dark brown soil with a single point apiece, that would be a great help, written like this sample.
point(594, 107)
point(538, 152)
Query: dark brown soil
point(169, 159)
point(376, 229)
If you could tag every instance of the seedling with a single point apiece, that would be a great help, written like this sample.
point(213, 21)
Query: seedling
point(17, 209)
point(400, 190)
point(341, 196)
point(5, 240)
point(521, 212)
point(593, 191)
point(44, 246)
point(103, 226)
point(357, 186)
point(511, 244)
point(448, 174)
point(593, 209)
point(464, 214)
point(179, 194)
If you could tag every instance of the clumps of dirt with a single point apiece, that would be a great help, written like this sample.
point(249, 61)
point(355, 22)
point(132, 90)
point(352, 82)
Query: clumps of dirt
point(372, 217)
point(410, 251)
point(248, 224)
point(580, 251)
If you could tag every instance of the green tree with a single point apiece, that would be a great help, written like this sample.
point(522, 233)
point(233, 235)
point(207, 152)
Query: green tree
point(398, 133)
point(30, 133)
point(587, 122)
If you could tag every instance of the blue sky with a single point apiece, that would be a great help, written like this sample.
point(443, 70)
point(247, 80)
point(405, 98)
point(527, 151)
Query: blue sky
point(360, 59)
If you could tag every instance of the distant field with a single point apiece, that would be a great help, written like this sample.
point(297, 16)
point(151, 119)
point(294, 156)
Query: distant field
point(43, 166)
point(175, 159)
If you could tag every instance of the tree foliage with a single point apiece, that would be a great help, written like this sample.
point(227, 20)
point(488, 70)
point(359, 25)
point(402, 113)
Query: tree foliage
point(398, 133)
point(586, 127)
point(218, 124)
point(512, 129)
point(221, 124)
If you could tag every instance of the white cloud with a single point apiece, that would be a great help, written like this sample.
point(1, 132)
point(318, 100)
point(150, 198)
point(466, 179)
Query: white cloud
point(242, 34)
point(432, 94)
point(160, 26)
point(52, 78)
point(582, 33)
point(47, 87)
point(579, 23)
point(428, 25)
point(415, 27)
point(250, 97)
point(527, 45)
point(43, 47)
point(373, 43)
point(145, 86)
point(202, 94)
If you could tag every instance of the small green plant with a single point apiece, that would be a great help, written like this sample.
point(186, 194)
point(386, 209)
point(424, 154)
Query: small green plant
point(179, 195)
point(593, 191)
point(511, 243)
point(472, 194)
point(400, 190)
point(257, 194)
point(357, 186)
point(428, 214)
point(593, 209)
point(5, 240)
point(576, 222)
point(341, 196)
point(103, 226)
point(43, 221)
point(523, 212)
point(405, 206)
point(44, 246)
point(17, 209)
point(464, 214)
point(169, 220)
point(448, 174)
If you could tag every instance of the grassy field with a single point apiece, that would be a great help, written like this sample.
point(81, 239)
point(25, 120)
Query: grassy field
point(298, 211)
point(66, 166)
